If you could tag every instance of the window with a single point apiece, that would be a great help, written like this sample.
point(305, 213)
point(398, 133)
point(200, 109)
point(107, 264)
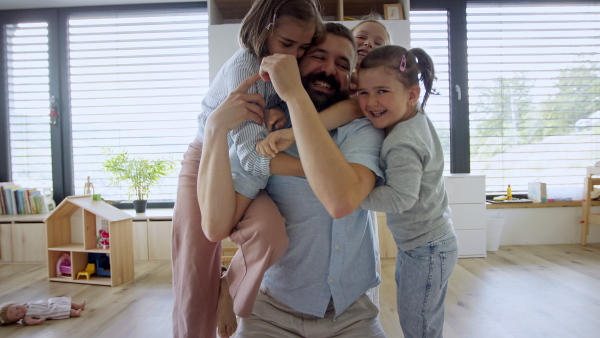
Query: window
point(132, 77)
point(534, 93)
point(136, 83)
point(28, 103)
point(429, 31)
point(126, 77)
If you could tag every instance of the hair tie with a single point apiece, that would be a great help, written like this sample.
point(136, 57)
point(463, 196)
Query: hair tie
point(403, 63)
point(272, 23)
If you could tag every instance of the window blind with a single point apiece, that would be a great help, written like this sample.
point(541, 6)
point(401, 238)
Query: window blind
point(429, 31)
point(136, 81)
point(534, 93)
point(29, 104)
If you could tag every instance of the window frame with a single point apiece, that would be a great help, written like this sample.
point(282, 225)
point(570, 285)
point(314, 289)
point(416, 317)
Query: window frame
point(61, 134)
point(62, 164)
point(458, 68)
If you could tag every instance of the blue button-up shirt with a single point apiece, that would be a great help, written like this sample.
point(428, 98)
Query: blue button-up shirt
point(327, 258)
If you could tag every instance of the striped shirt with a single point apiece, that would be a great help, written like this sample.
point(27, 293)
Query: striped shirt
point(243, 139)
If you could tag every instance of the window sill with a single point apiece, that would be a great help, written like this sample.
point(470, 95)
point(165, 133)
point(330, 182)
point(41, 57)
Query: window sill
point(559, 204)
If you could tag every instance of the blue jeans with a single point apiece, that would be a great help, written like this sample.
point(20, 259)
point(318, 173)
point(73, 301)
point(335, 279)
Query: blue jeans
point(422, 280)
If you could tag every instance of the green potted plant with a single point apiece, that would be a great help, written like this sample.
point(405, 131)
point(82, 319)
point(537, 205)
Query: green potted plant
point(141, 173)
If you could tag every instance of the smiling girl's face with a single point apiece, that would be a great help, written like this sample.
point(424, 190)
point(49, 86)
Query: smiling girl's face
point(369, 35)
point(384, 100)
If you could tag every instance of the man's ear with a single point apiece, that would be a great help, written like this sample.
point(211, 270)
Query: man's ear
point(413, 95)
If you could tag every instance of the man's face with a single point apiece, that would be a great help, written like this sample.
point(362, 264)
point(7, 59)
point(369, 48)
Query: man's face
point(326, 69)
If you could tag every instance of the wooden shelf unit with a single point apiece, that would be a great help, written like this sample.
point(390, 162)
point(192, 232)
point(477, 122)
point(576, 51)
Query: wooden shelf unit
point(62, 237)
point(230, 11)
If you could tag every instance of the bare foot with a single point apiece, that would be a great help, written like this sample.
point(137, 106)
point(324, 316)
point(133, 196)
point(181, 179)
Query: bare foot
point(226, 321)
point(78, 306)
point(76, 313)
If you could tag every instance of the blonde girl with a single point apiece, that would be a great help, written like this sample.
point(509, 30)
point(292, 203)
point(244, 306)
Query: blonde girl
point(413, 196)
point(202, 301)
point(369, 34)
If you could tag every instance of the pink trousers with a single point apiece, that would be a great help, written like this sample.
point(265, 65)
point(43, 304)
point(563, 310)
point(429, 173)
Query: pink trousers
point(260, 237)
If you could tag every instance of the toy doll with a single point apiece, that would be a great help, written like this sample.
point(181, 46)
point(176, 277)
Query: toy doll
point(37, 312)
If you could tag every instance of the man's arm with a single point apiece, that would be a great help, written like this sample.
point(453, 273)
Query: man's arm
point(339, 185)
point(333, 117)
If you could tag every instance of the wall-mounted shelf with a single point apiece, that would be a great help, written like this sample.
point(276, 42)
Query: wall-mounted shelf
point(225, 17)
point(232, 11)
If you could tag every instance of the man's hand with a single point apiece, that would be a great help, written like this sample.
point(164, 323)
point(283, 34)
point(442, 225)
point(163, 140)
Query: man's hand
point(239, 107)
point(274, 118)
point(275, 142)
point(282, 70)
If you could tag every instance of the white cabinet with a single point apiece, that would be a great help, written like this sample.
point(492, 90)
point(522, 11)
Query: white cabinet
point(466, 195)
point(22, 239)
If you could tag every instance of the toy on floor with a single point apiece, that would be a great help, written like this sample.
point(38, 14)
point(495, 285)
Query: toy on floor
point(63, 265)
point(37, 312)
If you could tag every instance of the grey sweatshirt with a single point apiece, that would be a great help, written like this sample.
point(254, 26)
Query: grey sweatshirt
point(413, 196)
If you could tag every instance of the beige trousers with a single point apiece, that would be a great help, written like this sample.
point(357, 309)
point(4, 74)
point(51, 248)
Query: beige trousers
point(272, 318)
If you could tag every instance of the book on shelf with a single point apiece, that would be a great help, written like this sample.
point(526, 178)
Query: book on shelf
point(4, 207)
point(9, 199)
point(15, 200)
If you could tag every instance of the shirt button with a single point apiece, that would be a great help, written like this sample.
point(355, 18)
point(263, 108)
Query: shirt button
point(331, 280)
point(337, 246)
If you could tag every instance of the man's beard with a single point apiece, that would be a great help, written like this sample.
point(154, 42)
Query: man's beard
point(320, 99)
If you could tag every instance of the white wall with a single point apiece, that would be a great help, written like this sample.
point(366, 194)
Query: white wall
point(527, 226)
point(223, 40)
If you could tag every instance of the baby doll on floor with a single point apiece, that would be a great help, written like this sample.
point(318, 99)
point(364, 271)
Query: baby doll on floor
point(37, 312)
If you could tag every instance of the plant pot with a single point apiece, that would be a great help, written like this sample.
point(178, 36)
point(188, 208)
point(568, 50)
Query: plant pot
point(140, 206)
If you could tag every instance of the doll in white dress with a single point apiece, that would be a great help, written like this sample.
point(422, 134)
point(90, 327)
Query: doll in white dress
point(34, 313)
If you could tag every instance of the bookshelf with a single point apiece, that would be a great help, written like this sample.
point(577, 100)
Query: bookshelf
point(16, 200)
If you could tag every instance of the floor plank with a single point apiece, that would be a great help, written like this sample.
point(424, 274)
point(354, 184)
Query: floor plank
point(516, 292)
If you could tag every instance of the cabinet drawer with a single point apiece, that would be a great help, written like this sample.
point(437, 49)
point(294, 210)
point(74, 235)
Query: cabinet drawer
point(468, 216)
point(159, 240)
point(29, 242)
point(471, 243)
point(465, 188)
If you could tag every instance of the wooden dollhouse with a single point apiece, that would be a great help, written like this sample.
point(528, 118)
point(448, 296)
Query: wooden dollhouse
point(80, 226)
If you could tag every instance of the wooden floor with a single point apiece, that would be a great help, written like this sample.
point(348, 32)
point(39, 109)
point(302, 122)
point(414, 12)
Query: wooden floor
point(519, 291)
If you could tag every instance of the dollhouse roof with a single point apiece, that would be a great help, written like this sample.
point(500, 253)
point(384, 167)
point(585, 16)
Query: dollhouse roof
point(100, 208)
